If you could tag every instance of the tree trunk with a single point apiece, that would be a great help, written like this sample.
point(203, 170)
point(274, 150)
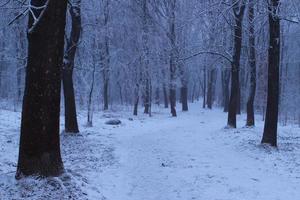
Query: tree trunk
point(147, 98)
point(235, 66)
point(238, 106)
point(39, 152)
point(166, 101)
point(157, 96)
point(225, 84)
point(210, 88)
point(146, 62)
point(120, 93)
point(105, 91)
point(184, 89)
point(136, 104)
point(173, 64)
point(204, 87)
point(71, 124)
point(1, 60)
point(193, 92)
point(105, 57)
point(270, 129)
point(184, 98)
point(20, 68)
point(252, 62)
point(90, 99)
point(173, 102)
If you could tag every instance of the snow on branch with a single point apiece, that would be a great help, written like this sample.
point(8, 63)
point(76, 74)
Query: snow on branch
point(228, 58)
point(36, 18)
point(30, 9)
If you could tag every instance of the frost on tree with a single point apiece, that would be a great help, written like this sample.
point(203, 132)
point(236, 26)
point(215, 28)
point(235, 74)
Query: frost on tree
point(39, 152)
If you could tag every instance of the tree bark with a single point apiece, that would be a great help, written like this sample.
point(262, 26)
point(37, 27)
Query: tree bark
point(90, 99)
point(71, 124)
point(184, 89)
point(157, 96)
point(225, 89)
point(146, 62)
point(105, 57)
point(173, 64)
point(204, 87)
point(270, 129)
point(252, 62)
point(173, 102)
point(235, 65)
point(39, 152)
point(136, 104)
point(166, 101)
point(184, 98)
point(146, 97)
point(210, 88)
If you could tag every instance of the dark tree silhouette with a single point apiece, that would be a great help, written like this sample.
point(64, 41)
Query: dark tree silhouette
point(225, 88)
point(39, 152)
point(270, 129)
point(233, 108)
point(71, 125)
point(252, 62)
point(105, 55)
point(173, 56)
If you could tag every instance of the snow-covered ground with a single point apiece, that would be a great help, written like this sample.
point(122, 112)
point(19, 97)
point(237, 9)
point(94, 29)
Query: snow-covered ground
point(191, 157)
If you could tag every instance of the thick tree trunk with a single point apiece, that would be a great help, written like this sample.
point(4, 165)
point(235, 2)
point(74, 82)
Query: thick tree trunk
point(235, 66)
point(270, 129)
point(252, 62)
point(71, 125)
point(39, 152)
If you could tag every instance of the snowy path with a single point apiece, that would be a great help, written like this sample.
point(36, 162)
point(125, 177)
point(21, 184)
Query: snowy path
point(191, 157)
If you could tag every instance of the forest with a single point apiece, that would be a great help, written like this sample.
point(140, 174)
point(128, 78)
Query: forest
point(149, 99)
